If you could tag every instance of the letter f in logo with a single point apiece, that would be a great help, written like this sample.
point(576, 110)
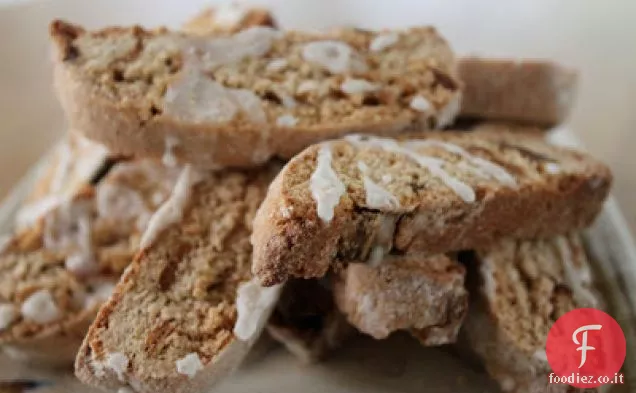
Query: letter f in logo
point(583, 346)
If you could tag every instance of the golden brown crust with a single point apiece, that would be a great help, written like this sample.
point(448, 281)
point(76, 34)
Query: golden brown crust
point(128, 115)
point(556, 190)
point(535, 92)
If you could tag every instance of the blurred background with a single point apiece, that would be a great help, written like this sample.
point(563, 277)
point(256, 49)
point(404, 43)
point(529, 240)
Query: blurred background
point(596, 37)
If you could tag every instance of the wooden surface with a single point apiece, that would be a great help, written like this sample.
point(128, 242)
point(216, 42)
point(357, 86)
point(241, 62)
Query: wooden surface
point(595, 37)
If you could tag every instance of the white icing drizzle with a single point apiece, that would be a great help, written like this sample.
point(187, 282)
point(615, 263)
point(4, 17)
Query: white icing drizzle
point(488, 277)
point(63, 167)
point(356, 86)
point(68, 228)
point(8, 315)
point(286, 211)
point(286, 121)
point(335, 56)
point(40, 307)
point(189, 365)
point(383, 41)
point(387, 178)
point(229, 14)
point(446, 115)
point(169, 158)
point(307, 86)
point(119, 202)
point(255, 41)
point(326, 188)
point(540, 354)
point(118, 362)
point(552, 168)
point(100, 293)
point(578, 278)
point(420, 104)
point(249, 103)
point(376, 196)
point(254, 303)
point(31, 213)
point(288, 101)
point(277, 65)
point(484, 167)
point(383, 241)
point(172, 209)
point(432, 164)
point(195, 98)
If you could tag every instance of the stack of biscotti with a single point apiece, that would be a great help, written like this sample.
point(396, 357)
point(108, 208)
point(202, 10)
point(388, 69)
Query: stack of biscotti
point(374, 222)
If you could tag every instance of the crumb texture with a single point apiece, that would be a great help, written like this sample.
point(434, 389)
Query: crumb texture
point(525, 286)
point(56, 273)
point(178, 298)
point(278, 91)
point(405, 292)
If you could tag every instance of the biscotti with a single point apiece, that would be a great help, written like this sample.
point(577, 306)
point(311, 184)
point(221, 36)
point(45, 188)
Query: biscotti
point(307, 322)
point(341, 201)
point(523, 287)
point(528, 91)
point(423, 295)
point(55, 274)
point(186, 310)
point(241, 99)
point(231, 17)
point(74, 163)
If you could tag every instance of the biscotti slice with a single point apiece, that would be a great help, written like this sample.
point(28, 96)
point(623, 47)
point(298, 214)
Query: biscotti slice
point(75, 163)
point(524, 286)
point(237, 100)
point(307, 322)
point(228, 17)
point(344, 200)
point(186, 310)
point(424, 295)
point(529, 91)
point(55, 275)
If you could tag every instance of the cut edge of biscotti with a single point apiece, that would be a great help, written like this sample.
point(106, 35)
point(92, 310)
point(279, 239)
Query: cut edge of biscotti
point(529, 91)
point(228, 18)
point(433, 193)
point(521, 288)
point(56, 273)
point(238, 100)
point(423, 295)
point(187, 310)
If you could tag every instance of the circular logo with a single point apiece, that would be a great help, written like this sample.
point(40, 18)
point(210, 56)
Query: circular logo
point(586, 348)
